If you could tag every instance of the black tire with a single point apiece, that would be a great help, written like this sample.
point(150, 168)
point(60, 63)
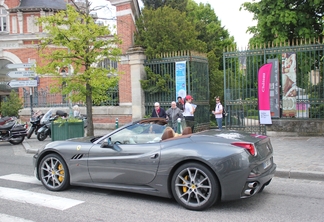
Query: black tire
point(195, 187)
point(41, 136)
point(30, 132)
point(54, 173)
point(17, 140)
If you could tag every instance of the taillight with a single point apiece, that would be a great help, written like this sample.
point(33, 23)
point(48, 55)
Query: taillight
point(249, 146)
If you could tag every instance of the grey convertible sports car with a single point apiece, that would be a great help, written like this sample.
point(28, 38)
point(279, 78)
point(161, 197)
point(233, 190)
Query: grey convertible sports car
point(147, 156)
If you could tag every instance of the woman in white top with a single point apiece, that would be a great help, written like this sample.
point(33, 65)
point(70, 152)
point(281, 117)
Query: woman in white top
point(218, 112)
point(188, 112)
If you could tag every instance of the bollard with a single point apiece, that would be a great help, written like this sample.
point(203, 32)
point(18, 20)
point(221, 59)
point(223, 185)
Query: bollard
point(116, 123)
point(178, 127)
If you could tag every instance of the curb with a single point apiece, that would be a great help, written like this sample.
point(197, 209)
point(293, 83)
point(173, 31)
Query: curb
point(295, 174)
point(28, 149)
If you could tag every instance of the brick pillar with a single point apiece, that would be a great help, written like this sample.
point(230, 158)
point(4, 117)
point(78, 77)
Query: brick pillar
point(126, 12)
point(11, 3)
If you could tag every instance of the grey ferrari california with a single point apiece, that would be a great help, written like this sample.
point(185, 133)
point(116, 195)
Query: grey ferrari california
point(148, 157)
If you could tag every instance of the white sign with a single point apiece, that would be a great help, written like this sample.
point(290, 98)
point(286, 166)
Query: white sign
point(28, 83)
point(20, 65)
point(21, 74)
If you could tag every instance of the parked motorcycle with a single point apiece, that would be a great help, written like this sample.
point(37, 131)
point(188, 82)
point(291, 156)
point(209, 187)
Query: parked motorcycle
point(46, 121)
point(35, 123)
point(13, 132)
point(5, 119)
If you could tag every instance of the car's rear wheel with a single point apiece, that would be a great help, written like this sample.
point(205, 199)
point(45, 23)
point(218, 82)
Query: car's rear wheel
point(194, 186)
point(54, 173)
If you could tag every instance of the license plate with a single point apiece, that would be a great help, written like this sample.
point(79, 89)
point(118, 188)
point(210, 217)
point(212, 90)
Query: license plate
point(266, 164)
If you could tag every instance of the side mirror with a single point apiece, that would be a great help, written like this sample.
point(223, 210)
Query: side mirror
point(107, 143)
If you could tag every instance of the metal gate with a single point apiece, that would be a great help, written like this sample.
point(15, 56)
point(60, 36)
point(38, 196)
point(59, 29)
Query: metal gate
point(241, 84)
point(197, 84)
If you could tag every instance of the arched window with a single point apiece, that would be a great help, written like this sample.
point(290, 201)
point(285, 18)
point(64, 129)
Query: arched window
point(3, 19)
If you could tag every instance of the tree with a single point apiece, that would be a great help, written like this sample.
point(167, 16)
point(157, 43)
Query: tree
point(11, 105)
point(80, 45)
point(216, 38)
point(166, 30)
point(175, 4)
point(285, 20)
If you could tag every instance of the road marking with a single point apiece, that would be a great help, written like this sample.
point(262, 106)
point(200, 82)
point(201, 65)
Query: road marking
point(9, 218)
point(21, 178)
point(44, 200)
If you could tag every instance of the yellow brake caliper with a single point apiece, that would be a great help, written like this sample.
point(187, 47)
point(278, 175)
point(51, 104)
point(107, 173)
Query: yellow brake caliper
point(61, 171)
point(184, 189)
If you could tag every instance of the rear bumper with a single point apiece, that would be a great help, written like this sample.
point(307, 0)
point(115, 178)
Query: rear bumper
point(254, 184)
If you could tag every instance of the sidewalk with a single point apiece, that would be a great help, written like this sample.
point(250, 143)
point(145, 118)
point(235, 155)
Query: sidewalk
point(296, 157)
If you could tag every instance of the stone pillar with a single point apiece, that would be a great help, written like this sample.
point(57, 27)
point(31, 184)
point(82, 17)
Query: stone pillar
point(136, 61)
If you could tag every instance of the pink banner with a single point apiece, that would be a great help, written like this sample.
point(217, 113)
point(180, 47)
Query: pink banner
point(264, 93)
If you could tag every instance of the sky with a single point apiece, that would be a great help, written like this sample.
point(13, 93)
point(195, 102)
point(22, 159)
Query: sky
point(234, 21)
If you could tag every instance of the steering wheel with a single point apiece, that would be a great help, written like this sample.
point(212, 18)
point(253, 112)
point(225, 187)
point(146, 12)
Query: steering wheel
point(117, 142)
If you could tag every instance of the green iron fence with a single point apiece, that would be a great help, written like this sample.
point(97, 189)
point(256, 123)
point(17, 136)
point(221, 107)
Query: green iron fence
point(44, 98)
point(197, 84)
point(240, 85)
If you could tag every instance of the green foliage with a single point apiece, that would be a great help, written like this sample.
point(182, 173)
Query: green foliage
point(252, 112)
point(212, 33)
point(75, 42)
point(166, 30)
point(61, 120)
point(11, 105)
point(285, 20)
point(176, 4)
point(155, 83)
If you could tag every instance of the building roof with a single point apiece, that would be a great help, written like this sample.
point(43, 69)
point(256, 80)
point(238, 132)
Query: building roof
point(36, 5)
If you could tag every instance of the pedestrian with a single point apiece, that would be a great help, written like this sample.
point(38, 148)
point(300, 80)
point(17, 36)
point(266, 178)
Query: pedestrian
point(180, 103)
point(188, 112)
point(173, 113)
point(76, 111)
point(218, 112)
point(158, 111)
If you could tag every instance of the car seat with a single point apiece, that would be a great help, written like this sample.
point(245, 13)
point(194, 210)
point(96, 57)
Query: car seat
point(168, 133)
point(186, 131)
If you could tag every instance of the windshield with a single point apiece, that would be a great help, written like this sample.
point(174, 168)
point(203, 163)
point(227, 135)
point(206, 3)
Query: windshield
point(47, 116)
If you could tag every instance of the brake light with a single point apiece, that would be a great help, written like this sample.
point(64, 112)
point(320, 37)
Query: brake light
point(249, 146)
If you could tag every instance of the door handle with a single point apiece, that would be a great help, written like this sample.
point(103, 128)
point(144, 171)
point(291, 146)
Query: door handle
point(154, 156)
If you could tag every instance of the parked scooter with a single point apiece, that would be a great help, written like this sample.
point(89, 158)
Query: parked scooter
point(35, 123)
point(46, 122)
point(12, 132)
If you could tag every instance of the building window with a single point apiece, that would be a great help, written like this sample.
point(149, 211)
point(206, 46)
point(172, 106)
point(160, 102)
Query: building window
point(3, 19)
point(108, 64)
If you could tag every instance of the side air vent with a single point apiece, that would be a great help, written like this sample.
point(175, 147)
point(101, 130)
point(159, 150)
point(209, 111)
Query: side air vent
point(77, 156)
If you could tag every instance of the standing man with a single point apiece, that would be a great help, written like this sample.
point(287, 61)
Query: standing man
point(173, 113)
point(180, 103)
point(218, 112)
point(158, 111)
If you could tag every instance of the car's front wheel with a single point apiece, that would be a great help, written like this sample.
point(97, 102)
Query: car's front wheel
point(54, 173)
point(194, 186)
